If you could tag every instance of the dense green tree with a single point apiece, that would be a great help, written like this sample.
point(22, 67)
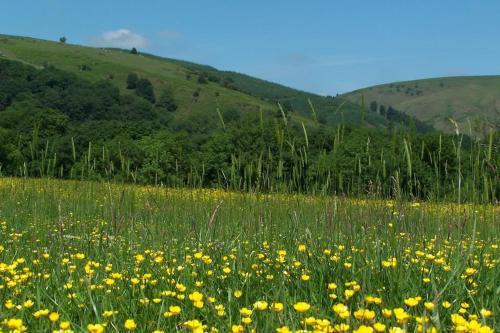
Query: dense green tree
point(202, 80)
point(145, 89)
point(166, 101)
point(132, 80)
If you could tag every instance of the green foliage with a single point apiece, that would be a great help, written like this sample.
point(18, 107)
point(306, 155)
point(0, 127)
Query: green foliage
point(132, 79)
point(166, 101)
point(54, 123)
point(145, 89)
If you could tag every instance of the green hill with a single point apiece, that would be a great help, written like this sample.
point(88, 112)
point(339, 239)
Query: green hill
point(196, 88)
point(473, 102)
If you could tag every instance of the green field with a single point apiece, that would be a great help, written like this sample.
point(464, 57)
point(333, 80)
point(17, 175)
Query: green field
point(99, 257)
point(472, 101)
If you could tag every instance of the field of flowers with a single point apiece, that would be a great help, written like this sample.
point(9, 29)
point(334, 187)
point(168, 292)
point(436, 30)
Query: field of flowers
point(96, 257)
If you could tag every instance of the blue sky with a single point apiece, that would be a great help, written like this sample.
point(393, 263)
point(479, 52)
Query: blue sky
point(322, 46)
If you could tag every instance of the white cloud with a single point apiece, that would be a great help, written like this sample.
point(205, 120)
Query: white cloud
point(121, 38)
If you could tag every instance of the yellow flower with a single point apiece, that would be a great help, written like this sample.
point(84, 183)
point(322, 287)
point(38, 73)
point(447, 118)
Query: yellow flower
point(429, 306)
point(194, 325)
point(387, 313)
point(95, 328)
point(302, 248)
point(396, 330)
point(341, 327)
point(41, 313)
point(14, 324)
point(196, 296)
point(310, 321)
point(108, 314)
point(130, 325)
point(390, 263)
point(486, 313)
point(401, 315)
point(379, 327)
point(54, 316)
point(364, 314)
point(348, 293)
point(412, 301)
point(237, 293)
point(486, 329)
point(28, 304)
point(260, 305)
point(458, 320)
point(9, 304)
point(363, 329)
point(64, 325)
point(283, 329)
point(174, 309)
point(180, 287)
point(245, 312)
point(237, 329)
point(446, 304)
point(301, 306)
point(341, 310)
point(277, 307)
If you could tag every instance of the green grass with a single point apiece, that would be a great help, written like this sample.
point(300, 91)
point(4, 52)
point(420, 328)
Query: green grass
point(472, 101)
point(82, 248)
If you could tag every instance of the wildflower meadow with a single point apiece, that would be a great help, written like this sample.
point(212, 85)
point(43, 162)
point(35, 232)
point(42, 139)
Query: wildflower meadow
point(99, 257)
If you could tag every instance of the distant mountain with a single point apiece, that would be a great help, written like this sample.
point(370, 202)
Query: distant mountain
point(473, 102)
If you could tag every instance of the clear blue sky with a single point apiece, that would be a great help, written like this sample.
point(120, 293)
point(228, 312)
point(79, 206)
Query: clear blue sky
point(323, 46)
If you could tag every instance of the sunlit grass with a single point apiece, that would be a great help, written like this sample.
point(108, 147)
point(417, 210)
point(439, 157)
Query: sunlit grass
point(94, 257)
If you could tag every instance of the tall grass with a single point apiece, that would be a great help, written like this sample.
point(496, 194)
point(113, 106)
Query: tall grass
point(293, 165)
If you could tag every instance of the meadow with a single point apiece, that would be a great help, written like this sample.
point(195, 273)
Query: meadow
point(82, 256)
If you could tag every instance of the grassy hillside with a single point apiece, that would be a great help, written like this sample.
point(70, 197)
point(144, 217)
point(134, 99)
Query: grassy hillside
point(474, 100)
point(115, 66)
point(223, 90)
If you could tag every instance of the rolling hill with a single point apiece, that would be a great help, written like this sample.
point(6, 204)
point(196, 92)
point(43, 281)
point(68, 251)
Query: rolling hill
point(472, 101)
point(197, 89)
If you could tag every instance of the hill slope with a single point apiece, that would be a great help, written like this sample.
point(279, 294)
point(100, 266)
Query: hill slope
point(474, 99)
point(219, 89)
